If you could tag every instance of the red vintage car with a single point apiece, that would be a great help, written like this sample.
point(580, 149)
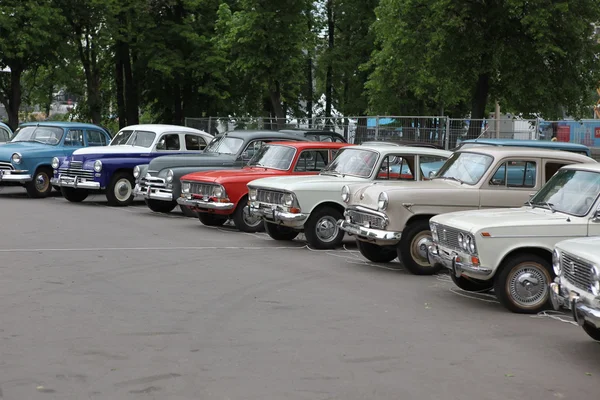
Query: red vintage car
point(219, 195)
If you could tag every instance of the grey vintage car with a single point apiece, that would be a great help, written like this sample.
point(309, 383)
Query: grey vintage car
point(158, 182)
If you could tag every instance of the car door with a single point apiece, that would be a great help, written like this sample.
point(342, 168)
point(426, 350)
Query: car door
point(398, 167)
point(194, 142)
point(311, 161)
point(4, 135)
point(510, 182)
point(94, 138)
point(73, 140)
point(169, 142)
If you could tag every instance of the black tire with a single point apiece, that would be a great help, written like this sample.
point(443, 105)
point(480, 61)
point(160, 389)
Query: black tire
point(117, 194)
point(74, 195)
point(592, 331)
point(57, 188)
point(321, 228)
point(410, 249)
point(40, 187)
point(211, 219)
point(241, 219)
point(524, 266)
point(469, 285)
point(161, 206)
point(187, 212)
point(278, 232)
point(375, 253)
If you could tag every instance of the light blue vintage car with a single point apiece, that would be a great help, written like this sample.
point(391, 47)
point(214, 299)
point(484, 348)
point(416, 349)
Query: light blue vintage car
point(5, 133)
point(27, 159)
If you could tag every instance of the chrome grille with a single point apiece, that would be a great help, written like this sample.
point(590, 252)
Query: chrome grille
point(76, 172)
point(448, 237)
point(201, 188)
point(153, 181)
point(363, 218)
point(76, 165)
point(6, 166)
point(269, 196)
point(577, 271)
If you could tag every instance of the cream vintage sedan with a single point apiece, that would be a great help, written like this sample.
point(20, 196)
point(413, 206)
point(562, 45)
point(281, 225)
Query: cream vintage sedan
point(510, 250)
point(392, 220)
point(292, 204)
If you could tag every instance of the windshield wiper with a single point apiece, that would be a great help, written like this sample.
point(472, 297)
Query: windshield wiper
point(452, 178)
point(332, 173)
point(550, 206)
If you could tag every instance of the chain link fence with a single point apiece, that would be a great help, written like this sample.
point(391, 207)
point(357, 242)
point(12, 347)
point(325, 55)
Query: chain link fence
point(442, 132)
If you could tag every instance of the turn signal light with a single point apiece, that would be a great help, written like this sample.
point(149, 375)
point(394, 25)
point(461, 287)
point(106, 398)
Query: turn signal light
point(474, 260)
point(294, 210)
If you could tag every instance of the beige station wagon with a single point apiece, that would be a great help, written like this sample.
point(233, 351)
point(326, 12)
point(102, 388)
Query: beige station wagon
point(391, 219)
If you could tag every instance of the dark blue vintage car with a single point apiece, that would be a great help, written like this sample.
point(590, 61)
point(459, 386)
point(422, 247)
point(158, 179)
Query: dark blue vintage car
point(109, 169)
point(26, 160)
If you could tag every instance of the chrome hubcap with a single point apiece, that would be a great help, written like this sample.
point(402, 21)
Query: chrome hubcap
point(41, 182)
point(123, 189)
point(528, 286)
point(249, 219)
point(327, 229)
point(418, 248)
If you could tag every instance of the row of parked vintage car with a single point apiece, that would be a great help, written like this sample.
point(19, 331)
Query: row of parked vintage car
point(515, 217)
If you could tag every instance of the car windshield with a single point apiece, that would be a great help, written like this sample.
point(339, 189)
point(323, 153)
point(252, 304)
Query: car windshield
point(569, 191)
point(356, 162)
point(465, 167)
point(224, 145)
point(276, 157)
point(134, 138)
point(40, 134)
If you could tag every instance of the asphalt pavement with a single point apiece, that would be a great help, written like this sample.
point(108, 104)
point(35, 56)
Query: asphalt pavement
point(123, 303)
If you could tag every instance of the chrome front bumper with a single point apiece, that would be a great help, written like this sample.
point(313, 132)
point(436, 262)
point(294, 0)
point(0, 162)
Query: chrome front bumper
point(369, 234)
point(204, 205)
point(457, 262)
point(563, 297)
point(76, 183)
point(8, 176)
point(148, 192)
point(278, 216)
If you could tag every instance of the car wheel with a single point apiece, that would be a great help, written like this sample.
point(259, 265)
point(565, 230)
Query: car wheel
point(412, 249)
point(592, 331)
point(521, 285)
point(74, 195)
point(375, 253)
point(211, 219)
point(120, 190)
point(161, 206)
point(321, 229)
point(244, 221)
point(39, 186)
point(187, 212)
point(469, 285)
point(279, 232)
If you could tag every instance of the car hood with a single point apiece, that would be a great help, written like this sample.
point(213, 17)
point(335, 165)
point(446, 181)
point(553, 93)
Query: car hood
point(525, 218)
point(191, 160)
point(314, 182)
point(585, 247)
point(233, 175)
point(435, 192)
point(118, 149)
point(8, 149)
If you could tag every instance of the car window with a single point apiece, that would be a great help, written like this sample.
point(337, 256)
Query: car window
point(4, 135)
point(430, 165)
point(552, 168)
point(169, 141)
point(95, 138)
point(74, 138)
point(397, 167)
point(515, 173)
point(253, 148)
point(339, 140)
point(326, 138)
point(194, 142)
point(312, 161)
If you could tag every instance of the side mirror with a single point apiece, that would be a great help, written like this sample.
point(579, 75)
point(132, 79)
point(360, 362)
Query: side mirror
point(596, 215)
point(432, 174)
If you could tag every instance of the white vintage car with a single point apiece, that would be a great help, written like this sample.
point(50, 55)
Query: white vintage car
point(391, 220)
point(576, 263)
point(291, 204)
point(510, 250)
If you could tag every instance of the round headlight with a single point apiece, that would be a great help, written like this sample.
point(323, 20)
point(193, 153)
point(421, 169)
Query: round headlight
point(185, 187)
point(136, 171)
point(345, 194)
point(218, 192)
point(595, 288)
point(382, 202)
point(170, 176)
point(556, 262)
point(471, 242)
point(467, 242)
point(55, 163)
point(98, 166)
point(16, 158)
point(434, 233)
point(288, 199)
point(461, 241)
point(252, 194)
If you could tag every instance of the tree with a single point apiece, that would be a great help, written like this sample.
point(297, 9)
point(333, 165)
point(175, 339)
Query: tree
point(30, 32)
point(532, 56)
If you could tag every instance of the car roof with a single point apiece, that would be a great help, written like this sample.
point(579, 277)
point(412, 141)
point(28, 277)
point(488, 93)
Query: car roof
point(588, 166)
point(508, 151)
point(312, 145)
point(528, 143)
point(162, 128)
point(257, 134)
point(426, 151)
point(309, 131)
point(63, 124)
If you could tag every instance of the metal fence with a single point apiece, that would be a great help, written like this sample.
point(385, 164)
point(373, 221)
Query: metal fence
point(441, 131)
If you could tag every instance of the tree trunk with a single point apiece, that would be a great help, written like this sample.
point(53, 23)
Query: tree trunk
point(310, 93)
point(275, 96)
point(177, 109)
point(119, 83)
point(131, 93)
point(14, 100)
point(329, 78)
point(478, 106)
point(49, 101)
